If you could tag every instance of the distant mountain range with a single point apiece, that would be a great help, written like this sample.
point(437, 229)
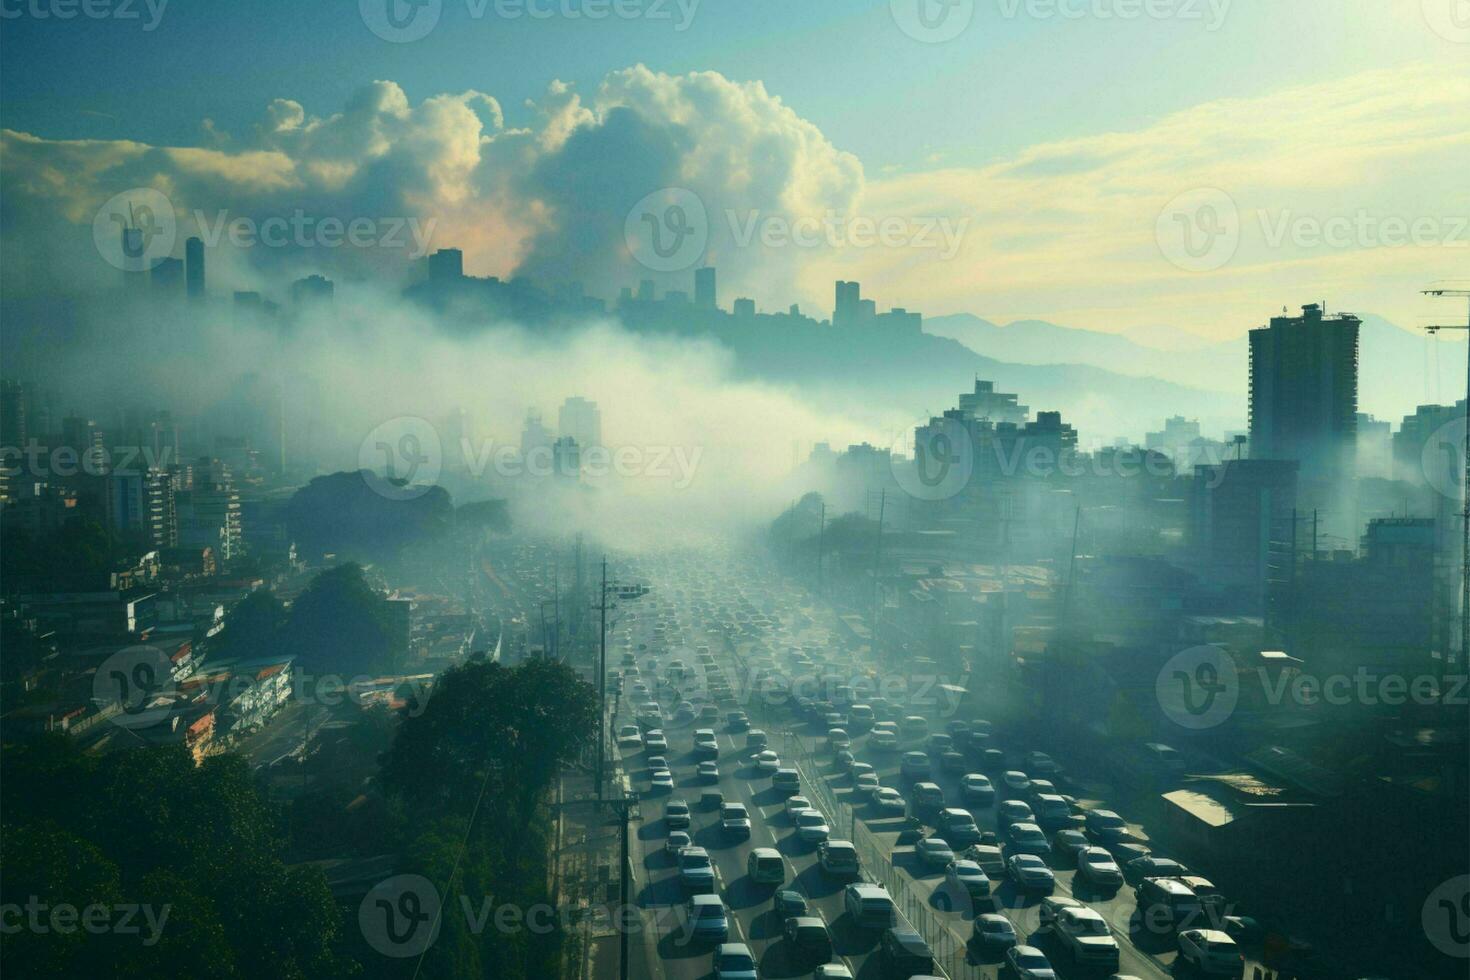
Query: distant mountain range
point(1399, 369)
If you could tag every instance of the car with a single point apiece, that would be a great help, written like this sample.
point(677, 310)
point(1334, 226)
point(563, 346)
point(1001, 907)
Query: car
point(928, 796)
point(958, 827)
point(1125, 851)
point(865, 783)
point(939, 742)
point(904, 953)
point(1210, 951)
point(1105, 827)
point(678, 840)
point(1070, 843)
point(734, 962)
point(786, 781)
point(952, 761)
point(988, 857)
point(832, 971)
point(629, 737)
point(1097, 867)
point(795, 803)
point(965, 877)
point(1165, 903)
point(870, 906)
point(1154, 866)
point(1244, 929)
point(1052, 812)
point(787, 903)
point(1163, 757)
point(1027, 838)
point(662, 779)
point(696, 873)
point(765, 866)
point(843, 760)
point(1030, 873)
point(838, 858)
point(767, 761)
point(883, 741)
point(977, 790)
point(1209, 896)
point(707, 919)
point(1052, 906)
point(1042, 763)
point(861, 716)
point(706, 745)
point(809, 938)
point(707, 772)
point(1086, 934)
point(993, 931)
point(889, 802)
point(838, 738)
point(811, 826)
point(756, 739)
point(914, 726)
point(1013, 811)
point(737, 721)
point(676, 813)
point(655, 741)
point(934, 852)
point(657, 762)
point(735, 821)
point(915, 765)
point(1028, 963)
point(1016, 781)
point(992, 760)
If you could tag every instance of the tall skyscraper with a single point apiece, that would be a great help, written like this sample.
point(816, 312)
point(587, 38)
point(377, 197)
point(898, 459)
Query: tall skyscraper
point(1304, 390)
point(446, 265)
point(312, 289)
point(580, 419)
point(846, 311)
point(704, 289)
point(194, 268)
point(1240, 512)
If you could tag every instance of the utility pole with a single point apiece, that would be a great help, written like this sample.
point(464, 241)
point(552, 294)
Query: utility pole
point(1464, 483)
point(821, 533)
point(877, 564)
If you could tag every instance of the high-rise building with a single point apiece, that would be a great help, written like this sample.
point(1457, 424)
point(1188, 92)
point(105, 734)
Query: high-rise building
point(312, 289)
point(168, 276)
point(581, 420)
point(566, 457)
point(987, 403)
point(194, 268)
point(645, 291)
point(209, 510)
point(704, 289)
point(744, 308)
point(1304, 395)
point(143, 503)
point(535, 437)
point(1239, 513)
point(446, 265)
point(848, 301)
point(16, 400)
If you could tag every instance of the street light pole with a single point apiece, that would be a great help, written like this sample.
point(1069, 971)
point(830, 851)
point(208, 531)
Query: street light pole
point(1464, 486)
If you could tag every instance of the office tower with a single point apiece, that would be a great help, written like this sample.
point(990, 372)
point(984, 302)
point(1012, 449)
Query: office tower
point(581, 420)
point(446, 265)
point(142, 503)
point(645, 291)
point(867, 310)
point(194, 268)
point(704, 289)
point(987, 403)
point(15, 410)
point(535, 436)
point(1240, 518)
point(744, 308)
point(1304, 395)
point(311, 290)
point(849, 299)
point(168, 276)
point(566, 457)
point(209, 510)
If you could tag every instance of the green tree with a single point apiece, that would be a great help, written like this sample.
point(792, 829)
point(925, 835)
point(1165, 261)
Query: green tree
point(340, 624)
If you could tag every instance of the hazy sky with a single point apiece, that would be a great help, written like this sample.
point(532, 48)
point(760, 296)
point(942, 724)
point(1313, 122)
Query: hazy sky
point(1114, 164)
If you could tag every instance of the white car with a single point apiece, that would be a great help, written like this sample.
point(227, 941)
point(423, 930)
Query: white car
point(767, 761)
point(889, 802)
point(629, 737)
point(797, 803)
point(1085, 932)
point(994, 930)
point(811, 826)
point(663, 779)
point(1029, 963)
point(1016, 781)
point(1210, 951)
